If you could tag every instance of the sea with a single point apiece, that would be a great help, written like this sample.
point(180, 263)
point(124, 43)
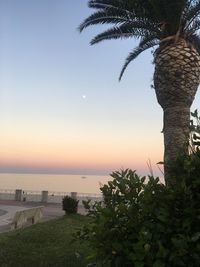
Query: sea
point(54, 183)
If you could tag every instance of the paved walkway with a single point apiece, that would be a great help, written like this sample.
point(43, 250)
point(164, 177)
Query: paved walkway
point(8, 209)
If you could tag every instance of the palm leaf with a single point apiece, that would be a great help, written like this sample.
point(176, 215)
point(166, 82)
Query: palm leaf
point(132, 8)
point(192, 12)
point(195, 26)
point(115, 33)
point(148, 38)
point(195, 41)
point(100, 3)
point(134, 29)
point(138, 50)
point(111, 4)
point(103, 17)
point(128, 6)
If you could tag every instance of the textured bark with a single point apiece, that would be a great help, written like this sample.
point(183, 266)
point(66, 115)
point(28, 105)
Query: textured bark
point(176, 79)
point(176, 134)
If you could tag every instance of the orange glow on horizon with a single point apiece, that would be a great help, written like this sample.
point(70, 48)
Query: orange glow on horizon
point(54, 150)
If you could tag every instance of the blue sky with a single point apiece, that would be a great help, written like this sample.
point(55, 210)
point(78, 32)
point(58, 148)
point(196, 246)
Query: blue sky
point(62, 108)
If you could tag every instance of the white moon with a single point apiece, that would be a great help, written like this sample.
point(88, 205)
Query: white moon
point(84, 96)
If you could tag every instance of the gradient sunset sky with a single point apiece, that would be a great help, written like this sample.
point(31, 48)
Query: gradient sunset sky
point(62, 109)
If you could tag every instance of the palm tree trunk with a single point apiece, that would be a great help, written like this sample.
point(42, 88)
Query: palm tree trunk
point(176, 135)
point(176, 79)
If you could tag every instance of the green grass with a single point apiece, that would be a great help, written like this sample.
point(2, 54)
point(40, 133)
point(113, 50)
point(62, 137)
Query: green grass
point(45, 245)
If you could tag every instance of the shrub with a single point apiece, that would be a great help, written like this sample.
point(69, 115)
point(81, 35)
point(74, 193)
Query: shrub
point(147, 224)
point(70, 205)
point(194, 131)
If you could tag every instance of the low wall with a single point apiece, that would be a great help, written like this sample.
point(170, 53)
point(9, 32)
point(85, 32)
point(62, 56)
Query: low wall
point(45, 196)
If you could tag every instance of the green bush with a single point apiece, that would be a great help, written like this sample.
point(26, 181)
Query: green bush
point(194, 143)
point(143, 223)
point(70, 205)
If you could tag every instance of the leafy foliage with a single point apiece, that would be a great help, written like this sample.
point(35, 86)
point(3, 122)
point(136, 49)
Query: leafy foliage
point(195, 131)
point(143, 223)
point(70, 205)
point(154, 22)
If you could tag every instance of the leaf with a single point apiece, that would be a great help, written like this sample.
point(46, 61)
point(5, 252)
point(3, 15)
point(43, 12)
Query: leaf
point(194, 114)
point(143, 179)
point(195, 237)
point(139, 264)
point(159, 263)
point(197, 143)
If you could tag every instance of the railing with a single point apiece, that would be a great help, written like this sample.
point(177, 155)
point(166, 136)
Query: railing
point(7, 194)
point(45, 196)
point(34, 196)
point(56, 197)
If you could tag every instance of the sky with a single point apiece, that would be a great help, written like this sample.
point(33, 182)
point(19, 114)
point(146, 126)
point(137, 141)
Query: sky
point(62, 108)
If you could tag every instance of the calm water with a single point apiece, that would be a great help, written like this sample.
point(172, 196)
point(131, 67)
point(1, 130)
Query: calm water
point(57, 183)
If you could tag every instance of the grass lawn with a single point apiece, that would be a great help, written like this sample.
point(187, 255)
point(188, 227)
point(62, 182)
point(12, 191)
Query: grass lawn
point(44, 245)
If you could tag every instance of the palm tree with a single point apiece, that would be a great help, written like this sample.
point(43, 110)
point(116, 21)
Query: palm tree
point(172, 27)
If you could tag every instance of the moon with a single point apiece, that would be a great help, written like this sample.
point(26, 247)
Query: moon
point(84, 96)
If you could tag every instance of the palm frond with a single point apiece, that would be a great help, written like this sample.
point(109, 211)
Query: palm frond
point(162, 10)
point(115, 33)
point(138, 50)
point(195, 41)
point(133, 9)
point(100, 3)
point(111, 4)
point(129, 6)
point(195, 26)
point(149, 38)
point(173, 10)
point(186, 11)
point(192, 12)
point(171, 13)
point(103, 17)
point(133, 29)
